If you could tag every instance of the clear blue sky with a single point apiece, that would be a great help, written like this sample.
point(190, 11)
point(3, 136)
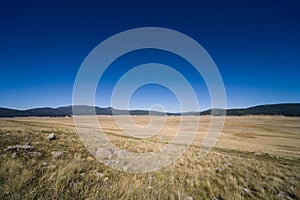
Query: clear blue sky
point(255, 45)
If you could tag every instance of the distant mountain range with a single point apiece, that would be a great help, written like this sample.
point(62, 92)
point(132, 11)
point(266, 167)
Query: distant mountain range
point(288, 109)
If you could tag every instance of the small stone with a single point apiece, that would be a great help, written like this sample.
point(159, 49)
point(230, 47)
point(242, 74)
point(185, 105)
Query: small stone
point(14, 155)
point(246, 190)
point(257, 153)
point(292, 188)
point(227, 164)
point(99, 175)
point(56, 154)
point(51, 136)
point(270, 155)
point(51, 166)
point(125, 168)
point(89, 158)
point(189, 198)
point(105, 179)
point(150, 178)
point(219, 169)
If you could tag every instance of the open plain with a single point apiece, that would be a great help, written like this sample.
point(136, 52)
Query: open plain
point(256, 157)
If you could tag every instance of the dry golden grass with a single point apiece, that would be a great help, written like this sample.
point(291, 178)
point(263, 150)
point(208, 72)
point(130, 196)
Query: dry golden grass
point(256, 157)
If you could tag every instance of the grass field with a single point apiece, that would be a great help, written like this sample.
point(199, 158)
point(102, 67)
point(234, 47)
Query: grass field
point(256, 157)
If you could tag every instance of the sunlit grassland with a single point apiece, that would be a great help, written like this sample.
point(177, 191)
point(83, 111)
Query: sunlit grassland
point(256, 157)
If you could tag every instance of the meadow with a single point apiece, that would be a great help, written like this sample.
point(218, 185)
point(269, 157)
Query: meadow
point(256, 157)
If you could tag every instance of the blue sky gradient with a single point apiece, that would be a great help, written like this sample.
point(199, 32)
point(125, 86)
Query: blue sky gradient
point(255, 45)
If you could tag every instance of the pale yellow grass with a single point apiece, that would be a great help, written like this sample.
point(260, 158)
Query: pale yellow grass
point(256, 157)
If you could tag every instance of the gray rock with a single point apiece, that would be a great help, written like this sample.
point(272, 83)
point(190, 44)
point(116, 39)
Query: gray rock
point(19, 147)
point(56, 154)
point(189, 198)
point(23, 150)
point(51, 136)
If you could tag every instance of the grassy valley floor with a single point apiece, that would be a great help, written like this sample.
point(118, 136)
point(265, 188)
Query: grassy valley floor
point(256, 157)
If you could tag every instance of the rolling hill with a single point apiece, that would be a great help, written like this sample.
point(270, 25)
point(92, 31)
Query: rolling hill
point(288, 109)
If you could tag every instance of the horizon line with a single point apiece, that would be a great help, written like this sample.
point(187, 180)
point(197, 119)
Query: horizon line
point(175, 112)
